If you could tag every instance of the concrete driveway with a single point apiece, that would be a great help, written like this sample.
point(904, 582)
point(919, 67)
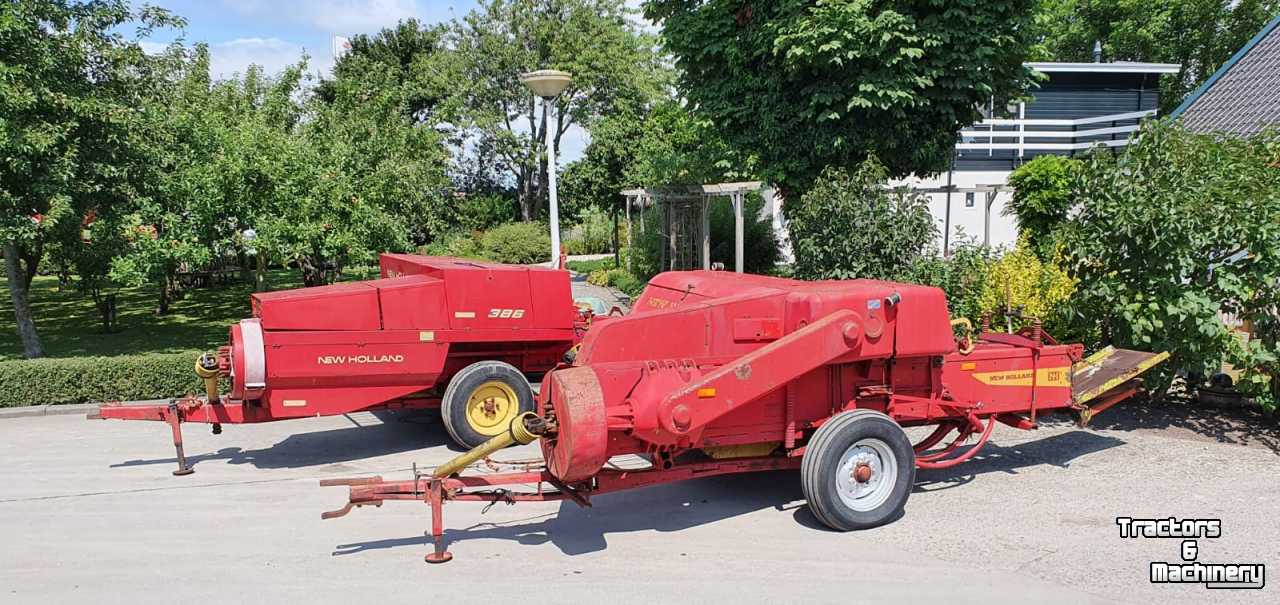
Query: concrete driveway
point(90, 514)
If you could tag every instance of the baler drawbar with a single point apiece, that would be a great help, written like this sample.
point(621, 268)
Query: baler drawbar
point(717, 373)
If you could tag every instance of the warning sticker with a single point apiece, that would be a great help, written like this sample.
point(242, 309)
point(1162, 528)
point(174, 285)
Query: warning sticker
point(1044, 377)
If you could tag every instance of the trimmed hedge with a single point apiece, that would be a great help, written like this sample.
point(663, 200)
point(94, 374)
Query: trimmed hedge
point(97, 379)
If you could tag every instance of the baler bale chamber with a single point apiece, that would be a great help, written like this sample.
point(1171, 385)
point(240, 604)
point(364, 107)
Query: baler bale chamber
point(717, 373)
point(456, 334)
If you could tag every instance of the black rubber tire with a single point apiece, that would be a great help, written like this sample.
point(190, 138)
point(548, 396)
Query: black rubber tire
point(822, 457)
point(453, 407)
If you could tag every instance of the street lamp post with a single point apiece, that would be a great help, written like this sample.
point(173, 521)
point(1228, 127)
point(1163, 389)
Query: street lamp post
point(548, 84)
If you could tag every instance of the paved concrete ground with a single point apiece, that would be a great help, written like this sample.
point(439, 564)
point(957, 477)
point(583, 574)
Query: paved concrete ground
point(90, 514)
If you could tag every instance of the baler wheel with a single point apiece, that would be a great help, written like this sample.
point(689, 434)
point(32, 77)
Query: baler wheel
point(858, 471)
point(482, 399)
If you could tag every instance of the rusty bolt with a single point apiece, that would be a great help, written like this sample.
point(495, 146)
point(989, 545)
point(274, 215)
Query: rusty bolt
point(862, 472)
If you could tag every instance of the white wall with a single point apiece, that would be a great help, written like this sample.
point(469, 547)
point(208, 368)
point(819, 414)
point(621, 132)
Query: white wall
point(969, 222)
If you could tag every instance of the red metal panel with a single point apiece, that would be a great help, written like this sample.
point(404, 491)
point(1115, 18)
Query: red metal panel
point(412, 302)
point(348, 360)
point(551, 298)
point(352, 306)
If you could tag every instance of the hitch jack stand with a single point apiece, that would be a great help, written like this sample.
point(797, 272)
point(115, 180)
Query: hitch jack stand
point(435, 499)
point(175, 424)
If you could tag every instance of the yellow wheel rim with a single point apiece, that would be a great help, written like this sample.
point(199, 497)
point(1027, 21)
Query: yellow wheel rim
point(491, 407)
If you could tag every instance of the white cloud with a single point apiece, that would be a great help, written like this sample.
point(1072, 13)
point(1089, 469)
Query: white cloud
point(272, 54)
point(340, 16)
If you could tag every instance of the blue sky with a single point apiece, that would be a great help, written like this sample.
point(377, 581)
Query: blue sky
point(276, 33)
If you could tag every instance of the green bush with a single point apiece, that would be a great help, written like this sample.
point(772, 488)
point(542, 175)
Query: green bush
point(517, 243)
point(590, 266)
point(592, 235)
point(1041, 199)
point(97, 379)
point(849, 226)
point(1174, 231)
point(461, 245)
point(480, 212)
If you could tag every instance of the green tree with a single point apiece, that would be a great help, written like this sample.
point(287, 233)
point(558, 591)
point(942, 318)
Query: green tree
point(360, 177)
point(1173, 230)
point(613, 64)
point(806, 84)
point(850, 226)
point(407, 49)
point(70, 83)
point(1199, 35)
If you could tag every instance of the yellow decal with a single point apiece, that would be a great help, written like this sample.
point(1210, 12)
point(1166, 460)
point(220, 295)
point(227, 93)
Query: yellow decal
point(295, 403)
point(660, 303)
point(1045, 377)
point(464, 315)
point(426, 336)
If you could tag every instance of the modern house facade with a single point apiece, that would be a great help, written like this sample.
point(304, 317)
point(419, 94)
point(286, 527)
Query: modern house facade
point(1076, 106)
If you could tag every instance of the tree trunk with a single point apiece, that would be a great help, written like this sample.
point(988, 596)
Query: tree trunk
point(523, 195)
point(31, 347)
point(31, 260)
point(312, 272)
point(260, 275)
point(166, 295)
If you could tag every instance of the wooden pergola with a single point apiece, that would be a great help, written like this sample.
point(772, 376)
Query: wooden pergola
point(668, 198)
point(989, 193)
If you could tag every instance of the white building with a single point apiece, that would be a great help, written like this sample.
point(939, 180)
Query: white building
point(1078, 106)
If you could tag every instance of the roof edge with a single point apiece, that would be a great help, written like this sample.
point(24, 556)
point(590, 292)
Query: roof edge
point(1118, 67)
point(1244, 50)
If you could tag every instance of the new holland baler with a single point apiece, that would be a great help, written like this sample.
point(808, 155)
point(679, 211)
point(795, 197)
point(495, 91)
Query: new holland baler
point(716, 373)
point(457, 334)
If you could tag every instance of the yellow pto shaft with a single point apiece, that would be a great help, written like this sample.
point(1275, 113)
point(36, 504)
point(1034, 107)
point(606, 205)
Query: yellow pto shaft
point(524, 429)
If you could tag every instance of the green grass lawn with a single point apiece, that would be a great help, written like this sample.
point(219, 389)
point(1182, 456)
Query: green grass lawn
point(68, 322)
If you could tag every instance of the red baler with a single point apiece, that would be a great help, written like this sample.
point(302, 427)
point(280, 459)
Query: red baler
point(453, 333)
point(717, 373)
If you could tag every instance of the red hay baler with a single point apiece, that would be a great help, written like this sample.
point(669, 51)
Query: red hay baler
point(457, 334)
point(716, 373)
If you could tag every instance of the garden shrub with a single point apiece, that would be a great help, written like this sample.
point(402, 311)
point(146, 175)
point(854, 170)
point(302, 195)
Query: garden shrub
point(461, 245)
point(1042, 199)
point(97, 379)
point(849, 226)
point(1020, 281)
point(517, 243)
point(592, 235)
point(1175, 230)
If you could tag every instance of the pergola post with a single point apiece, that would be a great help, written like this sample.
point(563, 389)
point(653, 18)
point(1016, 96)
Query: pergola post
point(631, 234)
point(705, 222)
point(737, 232)
point(986, 218)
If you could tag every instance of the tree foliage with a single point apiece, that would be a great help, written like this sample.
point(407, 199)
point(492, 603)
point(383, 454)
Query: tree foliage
point(70, 131)
point(848, 225)
point(1199, 35)
point(1042, 199)
point(613, 64)
point(1172, 231)
point(804, 84)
